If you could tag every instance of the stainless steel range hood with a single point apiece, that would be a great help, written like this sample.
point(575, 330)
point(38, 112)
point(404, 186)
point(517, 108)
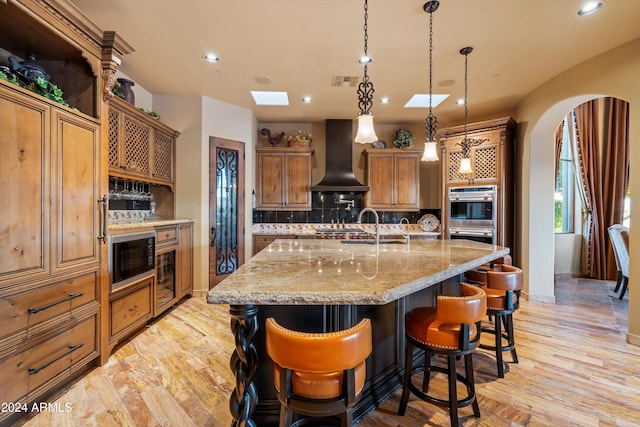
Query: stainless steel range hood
point(339, 174)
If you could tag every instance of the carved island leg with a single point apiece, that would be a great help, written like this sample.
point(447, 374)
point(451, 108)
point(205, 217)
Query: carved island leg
point(244, 362)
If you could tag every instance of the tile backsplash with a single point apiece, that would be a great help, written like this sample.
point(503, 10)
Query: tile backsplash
point(336, 207)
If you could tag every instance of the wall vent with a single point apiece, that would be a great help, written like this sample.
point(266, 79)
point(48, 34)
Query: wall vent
point(345, 81)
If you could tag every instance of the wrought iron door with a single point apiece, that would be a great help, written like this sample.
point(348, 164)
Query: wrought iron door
point(226, 212)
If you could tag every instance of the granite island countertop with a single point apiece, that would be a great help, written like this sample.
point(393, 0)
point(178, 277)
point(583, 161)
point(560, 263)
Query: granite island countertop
point(316, 271)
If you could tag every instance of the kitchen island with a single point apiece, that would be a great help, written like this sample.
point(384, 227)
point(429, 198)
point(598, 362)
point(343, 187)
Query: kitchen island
point(322, 285)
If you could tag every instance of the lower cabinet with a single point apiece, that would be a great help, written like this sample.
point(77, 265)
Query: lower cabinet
point(130, 308)
point(38, 365)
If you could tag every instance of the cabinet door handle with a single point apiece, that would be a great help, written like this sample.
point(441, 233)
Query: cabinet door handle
point(103, 237)
point(72, 348)
point(44, 307)
point(133, 309)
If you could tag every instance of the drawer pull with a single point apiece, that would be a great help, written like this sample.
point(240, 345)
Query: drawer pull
point(134, 308)
point(72, 348)
point(44, 307)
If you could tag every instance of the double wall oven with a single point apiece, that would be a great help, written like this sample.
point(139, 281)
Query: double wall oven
point(472, 213)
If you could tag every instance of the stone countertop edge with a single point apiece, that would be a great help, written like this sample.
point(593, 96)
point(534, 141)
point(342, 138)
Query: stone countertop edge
point(238, 290)
point(146, 223)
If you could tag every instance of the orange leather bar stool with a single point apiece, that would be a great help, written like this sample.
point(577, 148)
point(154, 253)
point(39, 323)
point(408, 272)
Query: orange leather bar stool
point(451, 329)
point(503, 286)
point(319, 375)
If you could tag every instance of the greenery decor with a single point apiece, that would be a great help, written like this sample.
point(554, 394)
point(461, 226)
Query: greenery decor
point(151, 113)
point(299, 136)
point(4, 76)
point(40, 86)
point(48, 90)
point(402, 138)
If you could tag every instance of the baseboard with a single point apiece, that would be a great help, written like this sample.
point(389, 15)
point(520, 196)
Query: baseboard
point(539, 298)
point(200, 292)
point(633, 339)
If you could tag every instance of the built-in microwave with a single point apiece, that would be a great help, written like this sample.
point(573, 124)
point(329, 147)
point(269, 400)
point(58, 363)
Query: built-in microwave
point(131, 257)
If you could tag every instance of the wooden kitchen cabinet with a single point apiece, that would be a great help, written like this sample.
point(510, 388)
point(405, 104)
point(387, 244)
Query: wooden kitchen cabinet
point(492, 163)
point(140, 147)
point(283, 178)
point(394, 178)
point(130, 308)
point(53, 267)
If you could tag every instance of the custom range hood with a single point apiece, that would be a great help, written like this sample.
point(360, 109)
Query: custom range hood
point(339, 175)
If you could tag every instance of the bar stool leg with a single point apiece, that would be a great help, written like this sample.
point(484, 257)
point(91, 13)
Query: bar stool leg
point(453, 391)
point(468, 366)
point(512, 338)
point(498, 334)
point(408, 366)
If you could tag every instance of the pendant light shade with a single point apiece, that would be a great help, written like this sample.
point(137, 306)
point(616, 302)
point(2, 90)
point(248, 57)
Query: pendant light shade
point(431, 122)
point(465, 165)
point(430, 153)
point(366, 133)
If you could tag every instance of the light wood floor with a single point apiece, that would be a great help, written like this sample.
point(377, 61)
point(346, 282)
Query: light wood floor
point(575, 369)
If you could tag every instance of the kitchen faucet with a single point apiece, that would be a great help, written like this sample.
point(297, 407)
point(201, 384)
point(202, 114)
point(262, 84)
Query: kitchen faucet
point(375, 214)
point(407, 236)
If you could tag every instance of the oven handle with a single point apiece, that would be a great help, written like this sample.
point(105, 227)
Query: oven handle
point(472, 232)
point(474, 198)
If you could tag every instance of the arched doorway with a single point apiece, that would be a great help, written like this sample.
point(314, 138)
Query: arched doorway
point(541, 248)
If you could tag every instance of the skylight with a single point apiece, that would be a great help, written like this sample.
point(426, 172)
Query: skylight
point(420, 100)
point(270, 97)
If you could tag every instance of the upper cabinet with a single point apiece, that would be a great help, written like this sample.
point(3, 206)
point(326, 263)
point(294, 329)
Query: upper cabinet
point(140, 147)
point(490, 159)
point(283, 178)
point(394, 178)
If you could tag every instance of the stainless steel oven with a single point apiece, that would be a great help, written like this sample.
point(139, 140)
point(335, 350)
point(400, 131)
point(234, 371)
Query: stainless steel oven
point(131, 257)
point(472, 213)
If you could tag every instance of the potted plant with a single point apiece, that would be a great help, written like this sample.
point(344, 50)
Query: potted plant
point(299, 139)
point(402, 138)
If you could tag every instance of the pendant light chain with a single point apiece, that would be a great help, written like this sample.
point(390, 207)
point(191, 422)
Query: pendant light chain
point(430, 123)
point(365, 88)
point(465, 147)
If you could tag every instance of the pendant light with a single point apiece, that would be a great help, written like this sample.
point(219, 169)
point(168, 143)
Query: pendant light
point(366, 134)
point(431, 122)
point(467, 143)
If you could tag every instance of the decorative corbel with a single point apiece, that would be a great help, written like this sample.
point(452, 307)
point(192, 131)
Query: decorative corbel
point(113, 49)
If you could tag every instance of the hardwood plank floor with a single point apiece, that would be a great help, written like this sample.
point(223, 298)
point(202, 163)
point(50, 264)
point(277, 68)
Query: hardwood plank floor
point(575, 369)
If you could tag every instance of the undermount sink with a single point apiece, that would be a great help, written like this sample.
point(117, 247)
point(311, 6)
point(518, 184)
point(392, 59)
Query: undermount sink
point(371, 242)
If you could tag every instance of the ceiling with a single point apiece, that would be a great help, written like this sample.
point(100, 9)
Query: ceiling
point(300, 45)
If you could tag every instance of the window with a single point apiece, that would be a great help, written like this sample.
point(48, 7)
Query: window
point(564, 198)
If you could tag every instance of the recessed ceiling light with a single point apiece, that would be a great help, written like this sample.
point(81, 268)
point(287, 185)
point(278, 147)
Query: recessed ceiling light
point(385, 100)
point(421, 100)
point(590, 7)
point(263, 80)
point(210, 57)
point(307, 99)
point(270, 98)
